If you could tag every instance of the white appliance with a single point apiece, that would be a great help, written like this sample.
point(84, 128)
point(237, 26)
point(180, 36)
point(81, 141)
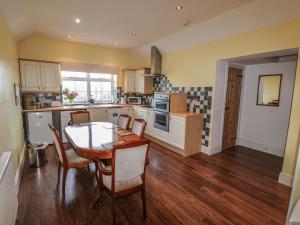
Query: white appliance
point(295, 215)
point(38, 129)
point(65, 118)
point(113, 115)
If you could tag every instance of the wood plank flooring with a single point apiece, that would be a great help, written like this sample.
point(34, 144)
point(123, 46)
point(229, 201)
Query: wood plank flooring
point(237, 186)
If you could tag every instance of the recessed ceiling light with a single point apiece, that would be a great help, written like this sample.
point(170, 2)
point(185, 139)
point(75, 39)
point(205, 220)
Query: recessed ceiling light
point(133, 33)
point(116, 44)
point(179, 7)
point(69, 36)
point(77, 20)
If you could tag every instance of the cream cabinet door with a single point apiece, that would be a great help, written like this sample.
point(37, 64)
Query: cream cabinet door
point(50, 77)
point(30, 76)
point(129, 81)
point(139, 81)
point(177, 131)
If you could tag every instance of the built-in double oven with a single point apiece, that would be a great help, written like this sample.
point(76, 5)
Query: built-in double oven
point(161, 111)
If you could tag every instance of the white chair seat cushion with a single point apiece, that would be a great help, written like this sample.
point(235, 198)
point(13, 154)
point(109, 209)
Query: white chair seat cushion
point(121, 185)
point(73, 157)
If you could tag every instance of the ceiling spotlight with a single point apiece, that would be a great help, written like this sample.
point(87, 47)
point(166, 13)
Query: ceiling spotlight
point(179, 7)
point(116, 44)
point(133, 33)
point(77, 20)
point(69, 36)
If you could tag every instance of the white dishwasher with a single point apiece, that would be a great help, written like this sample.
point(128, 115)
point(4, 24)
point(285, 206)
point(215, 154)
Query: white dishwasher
point(113, 115)
point(38, 128)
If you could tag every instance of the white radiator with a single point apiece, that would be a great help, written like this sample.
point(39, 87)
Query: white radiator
point(8, 191)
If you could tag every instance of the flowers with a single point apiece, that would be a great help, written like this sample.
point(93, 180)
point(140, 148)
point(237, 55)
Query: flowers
point(70, 95)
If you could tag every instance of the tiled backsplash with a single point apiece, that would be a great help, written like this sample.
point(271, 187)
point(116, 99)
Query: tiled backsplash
point(120, 94)
point(199, 99)
point(45, 97)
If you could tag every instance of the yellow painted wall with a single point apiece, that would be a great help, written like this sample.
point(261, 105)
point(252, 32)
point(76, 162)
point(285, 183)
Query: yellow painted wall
point(11, 130)
point(197, 67)
point(43, 47)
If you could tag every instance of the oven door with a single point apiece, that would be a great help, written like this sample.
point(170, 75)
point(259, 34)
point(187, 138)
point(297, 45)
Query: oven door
point(161, 121)
point(161, 105)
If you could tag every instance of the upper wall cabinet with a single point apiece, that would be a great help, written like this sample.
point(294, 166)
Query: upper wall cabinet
point(129, 81)
point(39, 76)
point(138, 81)
point(143, 83)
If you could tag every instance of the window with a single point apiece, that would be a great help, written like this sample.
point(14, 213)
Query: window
point(97, 86)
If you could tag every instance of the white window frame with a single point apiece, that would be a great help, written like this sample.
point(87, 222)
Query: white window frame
point(88, 79)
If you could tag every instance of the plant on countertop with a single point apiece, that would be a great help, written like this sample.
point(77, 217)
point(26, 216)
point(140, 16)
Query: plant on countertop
point(70, 95)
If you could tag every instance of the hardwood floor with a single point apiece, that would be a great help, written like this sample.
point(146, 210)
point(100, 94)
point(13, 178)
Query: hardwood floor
point(237, 186)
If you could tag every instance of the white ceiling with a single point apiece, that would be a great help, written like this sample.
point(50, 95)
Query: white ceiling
point(107, 22)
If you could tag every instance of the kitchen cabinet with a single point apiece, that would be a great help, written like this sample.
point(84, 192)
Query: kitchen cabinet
point(98, 115)
point(142, 83)
point(50, 77)
point(39, 76)
point(38, 130)
point(30, 75)
point(129, 81)
point(113, 115)
point(176, 135)
point(130, 112)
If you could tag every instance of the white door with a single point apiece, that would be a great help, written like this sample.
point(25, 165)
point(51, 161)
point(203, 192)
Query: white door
point(177, 131)
point(39, 131)
point(50, 77)
point(30, 76)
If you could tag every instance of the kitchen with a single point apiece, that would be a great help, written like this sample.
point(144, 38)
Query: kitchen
point(168, 121)
point(152, 83)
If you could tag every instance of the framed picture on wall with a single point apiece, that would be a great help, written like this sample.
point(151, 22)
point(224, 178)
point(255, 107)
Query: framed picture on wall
point(17, 93)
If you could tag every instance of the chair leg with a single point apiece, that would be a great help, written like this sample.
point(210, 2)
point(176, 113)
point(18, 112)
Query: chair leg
point(96, 173)
point(144, 202)
point(65, 173)
point(58, 176)
point(88, 167)
point(113, 210)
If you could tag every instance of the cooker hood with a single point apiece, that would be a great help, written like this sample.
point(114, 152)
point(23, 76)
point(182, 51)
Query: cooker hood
point(156, 62)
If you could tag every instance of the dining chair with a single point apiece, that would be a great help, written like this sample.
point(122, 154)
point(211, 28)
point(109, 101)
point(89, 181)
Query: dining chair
point(126, 174)
point(124, 121)
point(81, 116)
point(67, 159)
point(138, 127)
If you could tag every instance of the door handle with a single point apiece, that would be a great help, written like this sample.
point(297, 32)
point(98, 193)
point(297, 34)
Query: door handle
point(226, 108)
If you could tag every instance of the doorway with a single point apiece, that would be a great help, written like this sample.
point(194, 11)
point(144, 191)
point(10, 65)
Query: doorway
point(232, 107)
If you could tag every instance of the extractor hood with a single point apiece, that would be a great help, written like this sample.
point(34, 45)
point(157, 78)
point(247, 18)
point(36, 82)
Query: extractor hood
point(156, 61)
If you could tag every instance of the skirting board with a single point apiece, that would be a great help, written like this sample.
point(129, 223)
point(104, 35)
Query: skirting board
point(286, 179)
point(261, 147)
point(210, 151)
point(20, 167)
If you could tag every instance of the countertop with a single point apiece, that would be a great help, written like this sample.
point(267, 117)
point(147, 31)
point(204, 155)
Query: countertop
point(79, 107)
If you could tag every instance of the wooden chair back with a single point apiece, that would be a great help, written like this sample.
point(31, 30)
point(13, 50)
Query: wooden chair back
point(138, 127)
point(124, 121)
point(60, 150)
point(129, 161)
point(80, 117)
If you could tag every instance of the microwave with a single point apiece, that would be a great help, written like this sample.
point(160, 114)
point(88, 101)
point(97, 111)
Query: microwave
point(134, 100)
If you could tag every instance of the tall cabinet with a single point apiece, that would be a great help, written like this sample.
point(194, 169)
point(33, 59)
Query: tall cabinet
point(40, 76)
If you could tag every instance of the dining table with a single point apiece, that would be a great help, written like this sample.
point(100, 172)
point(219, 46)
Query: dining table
point(96, 140)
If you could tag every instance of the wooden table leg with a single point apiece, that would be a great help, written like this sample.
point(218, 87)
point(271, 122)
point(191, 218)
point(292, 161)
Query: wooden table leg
point(99, 183)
